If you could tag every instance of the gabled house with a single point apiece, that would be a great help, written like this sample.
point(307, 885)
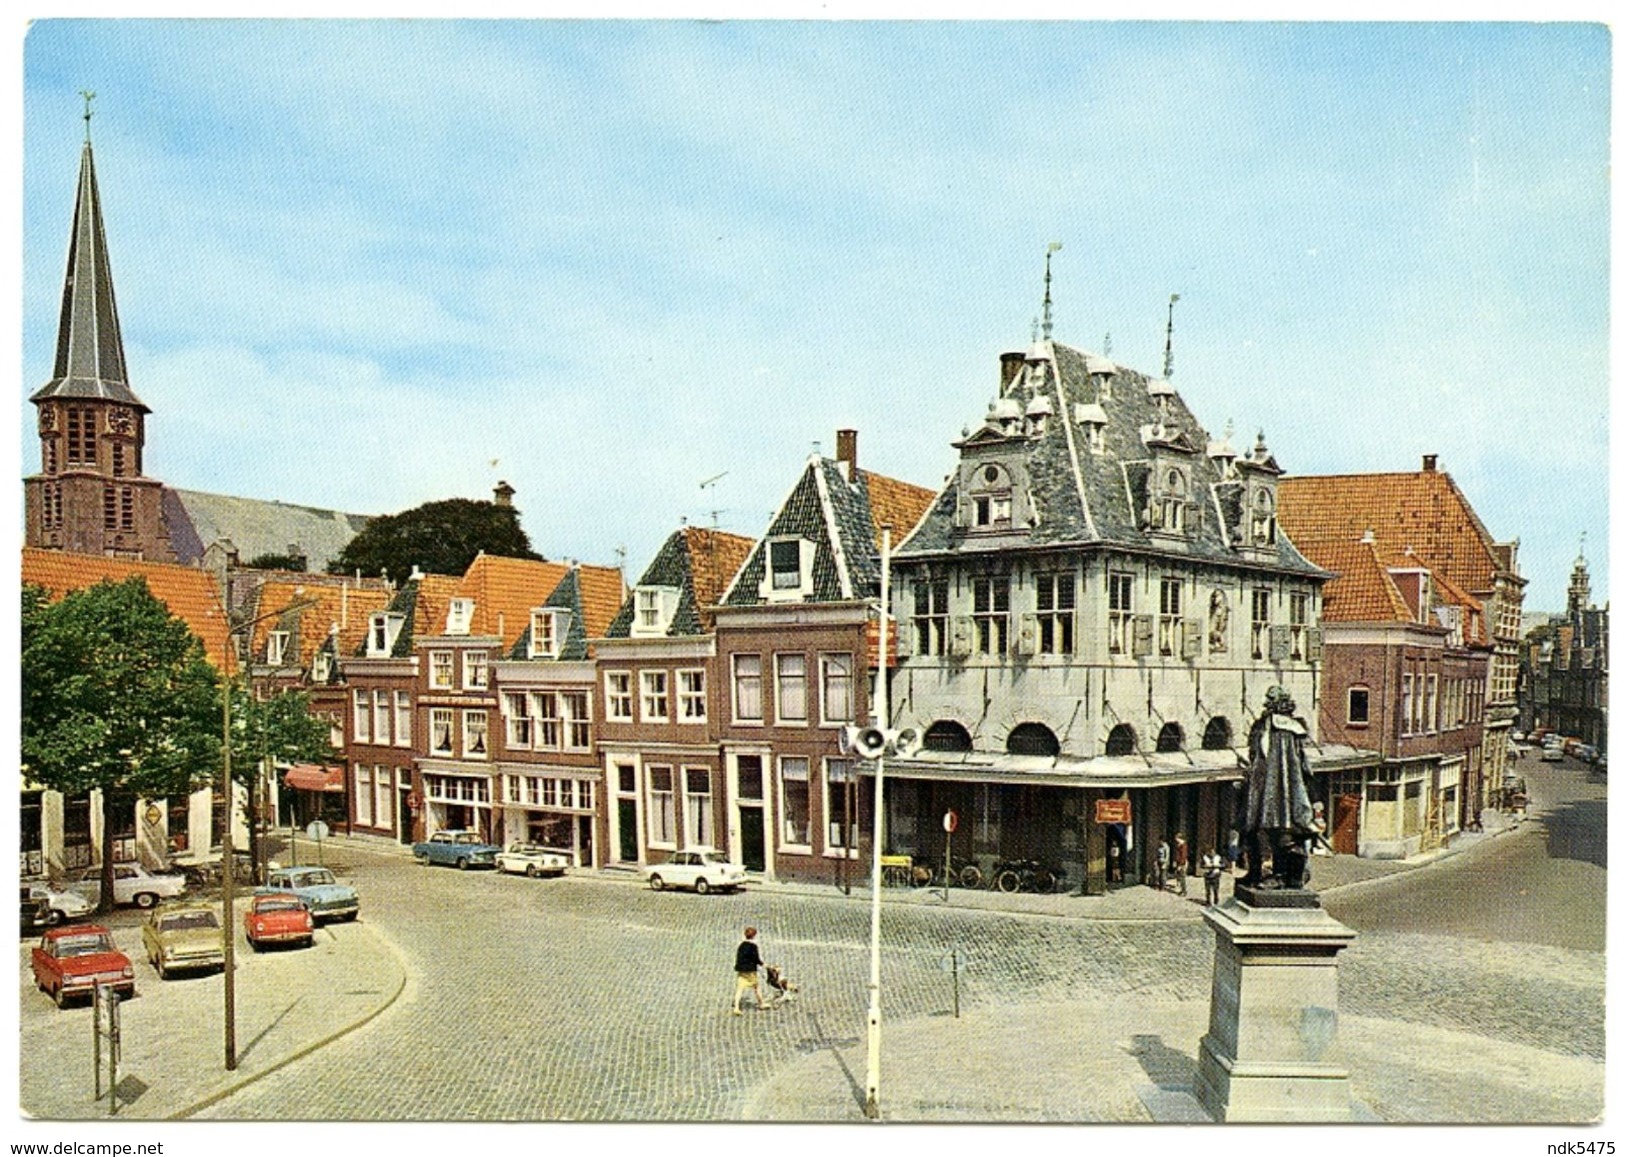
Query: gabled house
point(549, 776)
point(797, 651)
point(1090, 616)
point(657, 699)
point(1427, 512)
point(1406, 675)
point(1564, 679)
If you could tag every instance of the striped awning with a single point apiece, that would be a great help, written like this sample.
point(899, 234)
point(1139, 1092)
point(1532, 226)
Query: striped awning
point(314, 777)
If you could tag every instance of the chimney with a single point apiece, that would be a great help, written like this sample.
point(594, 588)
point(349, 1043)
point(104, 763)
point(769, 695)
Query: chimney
point(846, 452)
point(1430, 463)
point(502, 495)
point(1009, 367)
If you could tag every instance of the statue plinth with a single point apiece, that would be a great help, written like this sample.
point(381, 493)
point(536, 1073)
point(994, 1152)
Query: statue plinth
point(1270, 1053)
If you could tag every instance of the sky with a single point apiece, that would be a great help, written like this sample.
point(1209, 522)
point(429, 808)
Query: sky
point(641, 270)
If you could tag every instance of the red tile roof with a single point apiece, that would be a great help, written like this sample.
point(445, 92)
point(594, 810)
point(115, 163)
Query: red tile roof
point(505, 590)
point(901, 504)
point(1362, 592)
point(1423, 510)
point(714, 557)
point(333, 603)
point(188, 592)
point(603, 590)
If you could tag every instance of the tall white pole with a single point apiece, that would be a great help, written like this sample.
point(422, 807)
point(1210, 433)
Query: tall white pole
point(871, 1104)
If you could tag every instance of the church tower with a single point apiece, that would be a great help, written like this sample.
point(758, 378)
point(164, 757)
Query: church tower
point(90, 495)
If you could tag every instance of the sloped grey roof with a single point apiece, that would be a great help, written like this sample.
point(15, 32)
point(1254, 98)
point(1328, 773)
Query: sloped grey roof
point(1084, 498)
point(256, 526)
point(802, 516)
point(671, 568)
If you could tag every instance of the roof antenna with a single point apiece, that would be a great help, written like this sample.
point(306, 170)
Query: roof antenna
point(1049, 323)
point(89, 96)
point(1168, 346)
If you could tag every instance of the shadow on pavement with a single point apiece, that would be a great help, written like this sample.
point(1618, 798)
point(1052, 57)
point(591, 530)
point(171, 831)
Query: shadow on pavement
point(1168, 1068)
point(1578, 830)
point(823, 1041)
point(266, 1031)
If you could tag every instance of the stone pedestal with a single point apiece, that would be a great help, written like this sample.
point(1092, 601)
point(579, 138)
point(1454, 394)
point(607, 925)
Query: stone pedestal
point(1270, 1053)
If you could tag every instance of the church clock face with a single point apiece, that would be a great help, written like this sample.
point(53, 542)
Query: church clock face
point(47, 419)
point(121, 420)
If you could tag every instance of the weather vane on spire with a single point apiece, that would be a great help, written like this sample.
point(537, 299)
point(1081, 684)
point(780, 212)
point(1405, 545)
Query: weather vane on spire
point(89, 96)
point(1168, 346)
point(1049, 323)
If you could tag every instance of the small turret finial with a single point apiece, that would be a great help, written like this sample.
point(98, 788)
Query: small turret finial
point(1049, 322)
point(1168, 346)
point(89, 96)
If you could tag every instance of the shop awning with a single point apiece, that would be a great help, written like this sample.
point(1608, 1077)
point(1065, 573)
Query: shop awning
point(314, 777)
point(1109, 773)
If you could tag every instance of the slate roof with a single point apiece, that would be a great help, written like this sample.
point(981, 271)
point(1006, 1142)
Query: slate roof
point(89, 346)
point(698, 562)
point(844, 520)
point(1424, 510)
point(188, 592)
point(256, 526)
point(335, 603)
point(1088, 499)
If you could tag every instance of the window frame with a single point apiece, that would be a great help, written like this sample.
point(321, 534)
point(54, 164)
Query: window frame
point(783, 680)
point(742, 680)
point(827, 662)
point(1120, 586)
point(691, 696)
point(662, 805)
point(785, 778)
point(442, 669)
point(448, 718)
point(619, 701)
point(476, 733)
point(650, 696)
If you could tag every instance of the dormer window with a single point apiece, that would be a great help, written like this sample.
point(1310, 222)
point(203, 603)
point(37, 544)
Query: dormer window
point(990, 498)
point(321, 667)
point(788, 577)
point(548, 628)
point(1101, 371)
point(458, 616)
point(1262, 529)
point(1093, 420)
point(1168, 508)
point(383, 629)
point(276, 645)
point(654, 608)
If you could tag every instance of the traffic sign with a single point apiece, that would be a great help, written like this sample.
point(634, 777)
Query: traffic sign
point(950, 821)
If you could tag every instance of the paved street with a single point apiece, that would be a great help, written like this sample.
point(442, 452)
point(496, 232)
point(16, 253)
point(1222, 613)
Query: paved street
point(593, 998)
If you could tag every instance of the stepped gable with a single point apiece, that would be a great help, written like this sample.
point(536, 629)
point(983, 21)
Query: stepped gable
point(1421, 509)
point(188, 592)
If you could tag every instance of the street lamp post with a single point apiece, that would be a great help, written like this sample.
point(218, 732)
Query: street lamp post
point(871, 1101)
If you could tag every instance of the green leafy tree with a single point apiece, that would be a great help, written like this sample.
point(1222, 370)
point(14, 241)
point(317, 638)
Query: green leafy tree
point(275, 562)
point(440, 537)
point(117, 698)
point(278, 729)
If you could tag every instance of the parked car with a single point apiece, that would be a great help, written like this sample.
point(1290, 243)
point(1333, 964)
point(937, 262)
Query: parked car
point(36, 913)
point(326, 898)
point(278, 918)
point(1551, 753)
point(62, 904)
point(183, 938)
point(532, 860)
point(701, 868)
point(1586, 752)
point(73, 961)
point(132, 884)
point(460, 849)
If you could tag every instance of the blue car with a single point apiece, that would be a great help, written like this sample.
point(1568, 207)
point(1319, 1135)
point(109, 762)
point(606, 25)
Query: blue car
point(326, 898)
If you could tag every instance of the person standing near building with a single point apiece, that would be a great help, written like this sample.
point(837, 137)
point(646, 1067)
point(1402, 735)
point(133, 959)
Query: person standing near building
point(1212, 866)
point(1182, 861)
point(1232, 849)
point(1161, 877)
point(747, 965)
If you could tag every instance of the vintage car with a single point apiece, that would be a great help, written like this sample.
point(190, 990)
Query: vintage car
point(62, 904)
point(532, 860)
point(36, 913)
point(132, 884)
point(326, 898)
point(460, 849)
point(701, 868)
point(183, 938)
point(1552, 753)
point(278, 918)
point(73, 961)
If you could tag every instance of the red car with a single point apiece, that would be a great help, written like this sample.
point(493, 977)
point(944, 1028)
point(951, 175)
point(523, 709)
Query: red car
point(278, 918)
point(72, 961)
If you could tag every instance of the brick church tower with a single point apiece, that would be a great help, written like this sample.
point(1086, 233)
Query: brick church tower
point(90, 495)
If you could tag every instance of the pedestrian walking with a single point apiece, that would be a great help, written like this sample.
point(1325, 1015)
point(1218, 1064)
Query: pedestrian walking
point(1212, 867)
point(747, 963)
point(1182, 860)
point(1114, 863)
point(1232, 849)
point(1163, 858)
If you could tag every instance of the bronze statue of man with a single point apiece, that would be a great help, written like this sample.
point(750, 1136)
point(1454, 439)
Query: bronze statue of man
point(1277, 815)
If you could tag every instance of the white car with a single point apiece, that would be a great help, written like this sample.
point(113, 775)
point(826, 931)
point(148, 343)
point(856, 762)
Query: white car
point(65, 904)
point(703, 869)
point(531, 860)
point(132, 884)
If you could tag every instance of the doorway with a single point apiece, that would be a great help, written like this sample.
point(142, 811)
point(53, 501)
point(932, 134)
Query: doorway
point(753, 837)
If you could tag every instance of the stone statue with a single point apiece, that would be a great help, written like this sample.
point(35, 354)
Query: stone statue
point(1277, 815)
point(1218, 622)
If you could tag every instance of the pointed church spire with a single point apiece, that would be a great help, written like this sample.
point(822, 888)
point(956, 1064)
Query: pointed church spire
point(89, 347)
